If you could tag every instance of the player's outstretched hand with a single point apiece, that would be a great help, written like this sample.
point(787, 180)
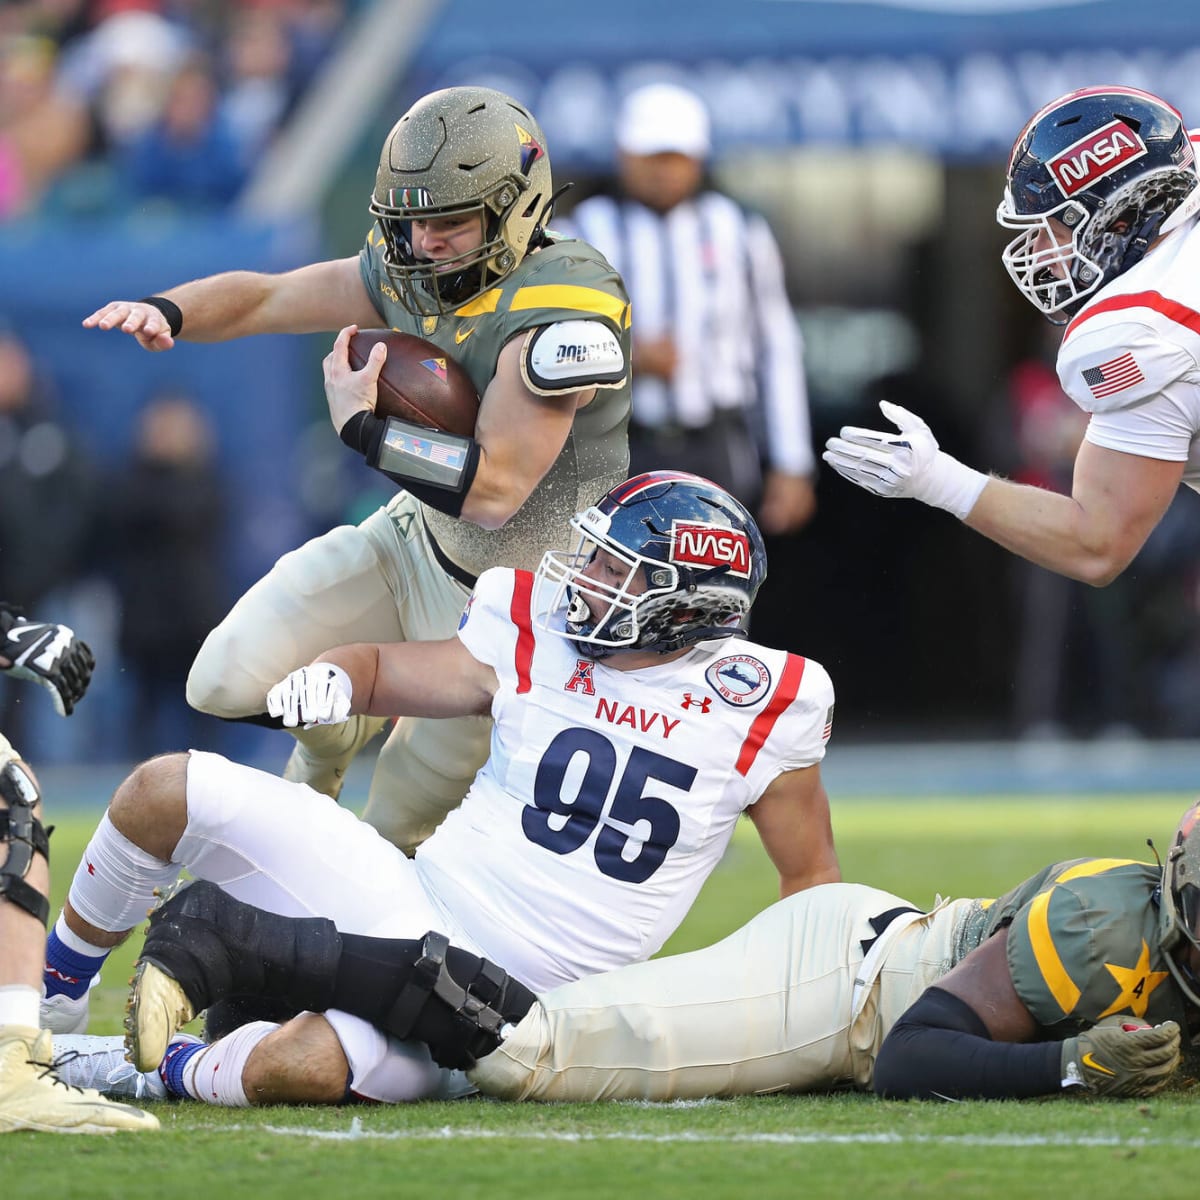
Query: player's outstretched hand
point(47, 654)
point(145, 322)
point(904, 464)
point(1125, 1058)
point(318, 694)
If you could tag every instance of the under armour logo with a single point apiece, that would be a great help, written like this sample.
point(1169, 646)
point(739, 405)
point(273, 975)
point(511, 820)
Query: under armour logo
point(581, 678)
point(704, 703)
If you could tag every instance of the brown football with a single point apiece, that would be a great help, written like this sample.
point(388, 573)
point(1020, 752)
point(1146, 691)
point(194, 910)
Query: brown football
point(419, 382)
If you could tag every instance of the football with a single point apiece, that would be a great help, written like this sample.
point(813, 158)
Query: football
point(419, 382)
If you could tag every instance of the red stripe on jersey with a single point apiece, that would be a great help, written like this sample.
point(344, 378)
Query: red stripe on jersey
point(760, 730)
point(521, 611)
point(1171, 309)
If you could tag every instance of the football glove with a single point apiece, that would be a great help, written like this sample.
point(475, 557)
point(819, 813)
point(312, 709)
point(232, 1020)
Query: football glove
point(48, 654)
point(318, 694)
point(905, 464)
point(1127, 1058)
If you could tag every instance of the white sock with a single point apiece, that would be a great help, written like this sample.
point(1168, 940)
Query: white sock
point(115, 881)
point(19, 1005)
point(215, 1074)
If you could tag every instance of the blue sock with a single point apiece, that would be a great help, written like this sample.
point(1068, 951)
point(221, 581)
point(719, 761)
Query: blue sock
point(170, 1070)
point(68, 973)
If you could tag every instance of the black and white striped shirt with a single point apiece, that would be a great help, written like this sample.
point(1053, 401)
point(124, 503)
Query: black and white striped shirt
point(709, 274)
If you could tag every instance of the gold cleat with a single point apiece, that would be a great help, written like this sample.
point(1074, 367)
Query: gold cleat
point(156, 1010)
point(33, 1097)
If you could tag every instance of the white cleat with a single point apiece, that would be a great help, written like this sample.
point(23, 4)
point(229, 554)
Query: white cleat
point(92, 1061)
point(64, 1014)
point(32, 1096)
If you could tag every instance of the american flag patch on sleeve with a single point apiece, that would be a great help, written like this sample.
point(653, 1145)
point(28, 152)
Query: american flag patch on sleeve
point(1113, 376)
point(828, 725)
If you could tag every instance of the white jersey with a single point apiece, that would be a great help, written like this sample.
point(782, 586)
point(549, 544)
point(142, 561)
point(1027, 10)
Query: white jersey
point(1131, 357)
point(609, 796)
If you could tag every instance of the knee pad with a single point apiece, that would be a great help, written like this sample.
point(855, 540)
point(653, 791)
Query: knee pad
point(459, 1022)
point(25, 836)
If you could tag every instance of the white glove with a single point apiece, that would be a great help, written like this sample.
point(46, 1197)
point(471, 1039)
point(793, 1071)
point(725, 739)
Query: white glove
point(907, 464)
point(315, 695)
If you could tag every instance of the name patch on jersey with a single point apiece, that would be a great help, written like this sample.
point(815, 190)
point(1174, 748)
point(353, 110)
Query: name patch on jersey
point(644, 719)
point(695, 544)
point(1091, 158)
point(739, 679)
point(570, 355)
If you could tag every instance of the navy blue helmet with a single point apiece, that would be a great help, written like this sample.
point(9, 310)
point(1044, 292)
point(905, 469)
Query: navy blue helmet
point(686, 562)
point(1114, 168)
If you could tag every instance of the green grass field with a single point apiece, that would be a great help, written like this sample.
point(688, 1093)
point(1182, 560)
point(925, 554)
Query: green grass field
point(811, 1146)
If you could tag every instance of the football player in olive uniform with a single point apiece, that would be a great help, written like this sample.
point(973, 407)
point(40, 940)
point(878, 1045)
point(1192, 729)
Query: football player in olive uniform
point(459, 254)
point(1084, 979)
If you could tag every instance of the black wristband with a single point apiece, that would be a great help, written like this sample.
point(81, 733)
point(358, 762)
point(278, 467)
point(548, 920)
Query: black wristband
point(363, 431)
point(169, 309)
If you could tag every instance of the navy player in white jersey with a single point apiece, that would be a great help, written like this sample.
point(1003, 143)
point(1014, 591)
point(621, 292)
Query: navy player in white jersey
point(633, 725)
point(1103, 189)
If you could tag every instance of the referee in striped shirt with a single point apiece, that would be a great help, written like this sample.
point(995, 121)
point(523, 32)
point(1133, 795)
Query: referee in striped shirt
point(717, 358)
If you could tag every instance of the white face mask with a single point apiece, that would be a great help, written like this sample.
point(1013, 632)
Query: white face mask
point(1052, 274)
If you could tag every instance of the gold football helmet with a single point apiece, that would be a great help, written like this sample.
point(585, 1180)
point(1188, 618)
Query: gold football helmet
point(461, 150)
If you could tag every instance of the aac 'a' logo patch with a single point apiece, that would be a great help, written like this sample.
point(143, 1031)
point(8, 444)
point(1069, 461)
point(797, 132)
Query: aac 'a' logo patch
point(436, 366)
point(739, 679)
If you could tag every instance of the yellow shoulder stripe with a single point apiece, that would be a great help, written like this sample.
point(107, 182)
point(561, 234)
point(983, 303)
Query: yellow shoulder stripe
point(487, 303)
point(1095, 866)
point(581, 299)
point(1061, 986)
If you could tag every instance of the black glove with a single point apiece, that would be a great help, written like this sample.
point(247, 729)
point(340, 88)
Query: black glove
point(47, 654)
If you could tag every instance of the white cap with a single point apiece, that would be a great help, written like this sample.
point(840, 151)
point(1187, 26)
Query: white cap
point(660, 118)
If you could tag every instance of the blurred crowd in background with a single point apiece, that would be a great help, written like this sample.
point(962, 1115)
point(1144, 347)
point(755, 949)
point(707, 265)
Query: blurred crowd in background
point(140, 494)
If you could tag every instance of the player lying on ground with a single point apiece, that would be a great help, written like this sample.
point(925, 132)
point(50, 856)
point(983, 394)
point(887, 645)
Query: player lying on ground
point(1078, 980)
point(633, 726)
point(32, 1095)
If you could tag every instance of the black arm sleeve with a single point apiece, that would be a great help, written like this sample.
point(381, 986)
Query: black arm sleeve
point(940, 1049)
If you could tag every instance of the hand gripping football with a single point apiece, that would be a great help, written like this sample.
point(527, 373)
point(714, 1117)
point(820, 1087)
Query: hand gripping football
point(419, 382)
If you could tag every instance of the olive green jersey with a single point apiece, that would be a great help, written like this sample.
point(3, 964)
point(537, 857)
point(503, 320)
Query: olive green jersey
point(566, 281)
point(1083, 945)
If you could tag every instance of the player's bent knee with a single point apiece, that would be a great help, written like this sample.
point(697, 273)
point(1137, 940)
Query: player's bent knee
point(213, 688)
point(302, 1062)
point(153, 796)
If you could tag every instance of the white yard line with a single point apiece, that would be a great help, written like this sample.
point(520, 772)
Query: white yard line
point(448, 1133)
